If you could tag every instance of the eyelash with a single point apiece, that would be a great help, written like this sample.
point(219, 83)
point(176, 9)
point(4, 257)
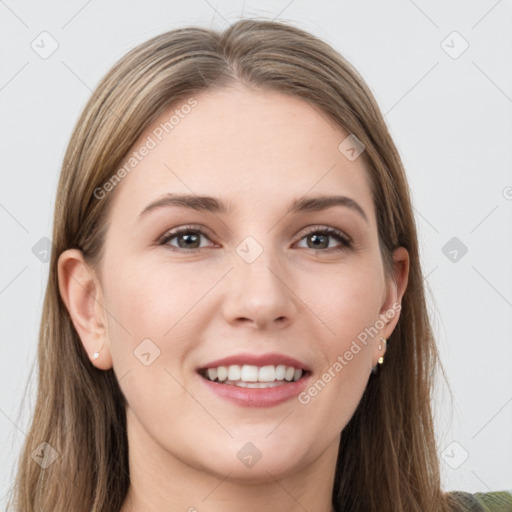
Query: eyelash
point(334, 233)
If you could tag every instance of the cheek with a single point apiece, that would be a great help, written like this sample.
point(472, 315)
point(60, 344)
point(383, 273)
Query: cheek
point(152, 332)
point(348, 305)
point(150, 299)
point(143, 309)
point(348, 299)
point(335, 391)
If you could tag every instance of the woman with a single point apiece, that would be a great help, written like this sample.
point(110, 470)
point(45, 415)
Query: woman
point(235, 314)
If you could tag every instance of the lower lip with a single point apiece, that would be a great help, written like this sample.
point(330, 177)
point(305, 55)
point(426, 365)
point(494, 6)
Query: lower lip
point(258, 397)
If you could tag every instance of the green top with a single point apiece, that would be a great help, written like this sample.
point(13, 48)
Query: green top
point(497, 501)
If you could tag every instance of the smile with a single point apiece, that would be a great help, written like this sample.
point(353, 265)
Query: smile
point(251, 376)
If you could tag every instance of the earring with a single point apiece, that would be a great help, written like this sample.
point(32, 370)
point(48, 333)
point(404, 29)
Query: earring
point(97, 354)
point(381, 358)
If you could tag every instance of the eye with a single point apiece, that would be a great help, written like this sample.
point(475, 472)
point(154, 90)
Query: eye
point(319, 237)
point(187, 237)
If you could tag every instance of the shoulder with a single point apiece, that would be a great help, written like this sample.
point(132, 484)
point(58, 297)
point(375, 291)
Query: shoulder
point(496, 501)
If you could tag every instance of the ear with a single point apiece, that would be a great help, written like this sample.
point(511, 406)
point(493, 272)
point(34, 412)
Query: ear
point(395, 289)
point(81, 293)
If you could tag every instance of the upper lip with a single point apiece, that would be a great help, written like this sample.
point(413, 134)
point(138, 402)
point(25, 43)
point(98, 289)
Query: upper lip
point(257, 360)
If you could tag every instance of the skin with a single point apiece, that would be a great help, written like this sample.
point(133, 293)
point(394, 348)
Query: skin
point(258, 151)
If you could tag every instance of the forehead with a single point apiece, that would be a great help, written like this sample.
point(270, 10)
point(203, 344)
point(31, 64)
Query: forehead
point(251, 148)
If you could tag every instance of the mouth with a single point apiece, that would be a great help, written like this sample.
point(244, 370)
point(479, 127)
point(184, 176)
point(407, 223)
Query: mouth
point(250, 380)
point(252, 376)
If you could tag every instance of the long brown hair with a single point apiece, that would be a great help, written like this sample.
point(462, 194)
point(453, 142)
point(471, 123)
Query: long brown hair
point(387, 457)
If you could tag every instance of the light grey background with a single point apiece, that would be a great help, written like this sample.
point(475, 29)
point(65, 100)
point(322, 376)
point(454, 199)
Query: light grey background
point(450, 118)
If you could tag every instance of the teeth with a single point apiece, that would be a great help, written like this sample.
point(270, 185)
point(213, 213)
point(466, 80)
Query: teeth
point(222, 373)
point(249, 373)
point(290, 373)
point(242, 384)
point(253, 376)
point(234, 372)
point(267, 374)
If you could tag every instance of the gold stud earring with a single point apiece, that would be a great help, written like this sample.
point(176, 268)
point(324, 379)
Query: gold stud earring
point(97, 354)
point(381, 358)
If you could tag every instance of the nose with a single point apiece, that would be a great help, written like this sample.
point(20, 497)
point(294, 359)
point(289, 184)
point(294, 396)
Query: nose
point(260, 294)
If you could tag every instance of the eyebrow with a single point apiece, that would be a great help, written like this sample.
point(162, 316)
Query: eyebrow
point(214, 205)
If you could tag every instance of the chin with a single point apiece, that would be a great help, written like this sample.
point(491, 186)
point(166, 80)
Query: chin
point(254, 461)
point(261, 473)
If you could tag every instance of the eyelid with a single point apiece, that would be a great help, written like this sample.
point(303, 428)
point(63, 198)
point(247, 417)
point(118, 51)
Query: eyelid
point(171, 233)
point(345, 241)
point(328, 229)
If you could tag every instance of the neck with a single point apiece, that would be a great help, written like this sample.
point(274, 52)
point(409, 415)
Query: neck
point(162, 482)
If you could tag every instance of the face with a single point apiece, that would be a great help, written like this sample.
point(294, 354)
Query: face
point(250, 279)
